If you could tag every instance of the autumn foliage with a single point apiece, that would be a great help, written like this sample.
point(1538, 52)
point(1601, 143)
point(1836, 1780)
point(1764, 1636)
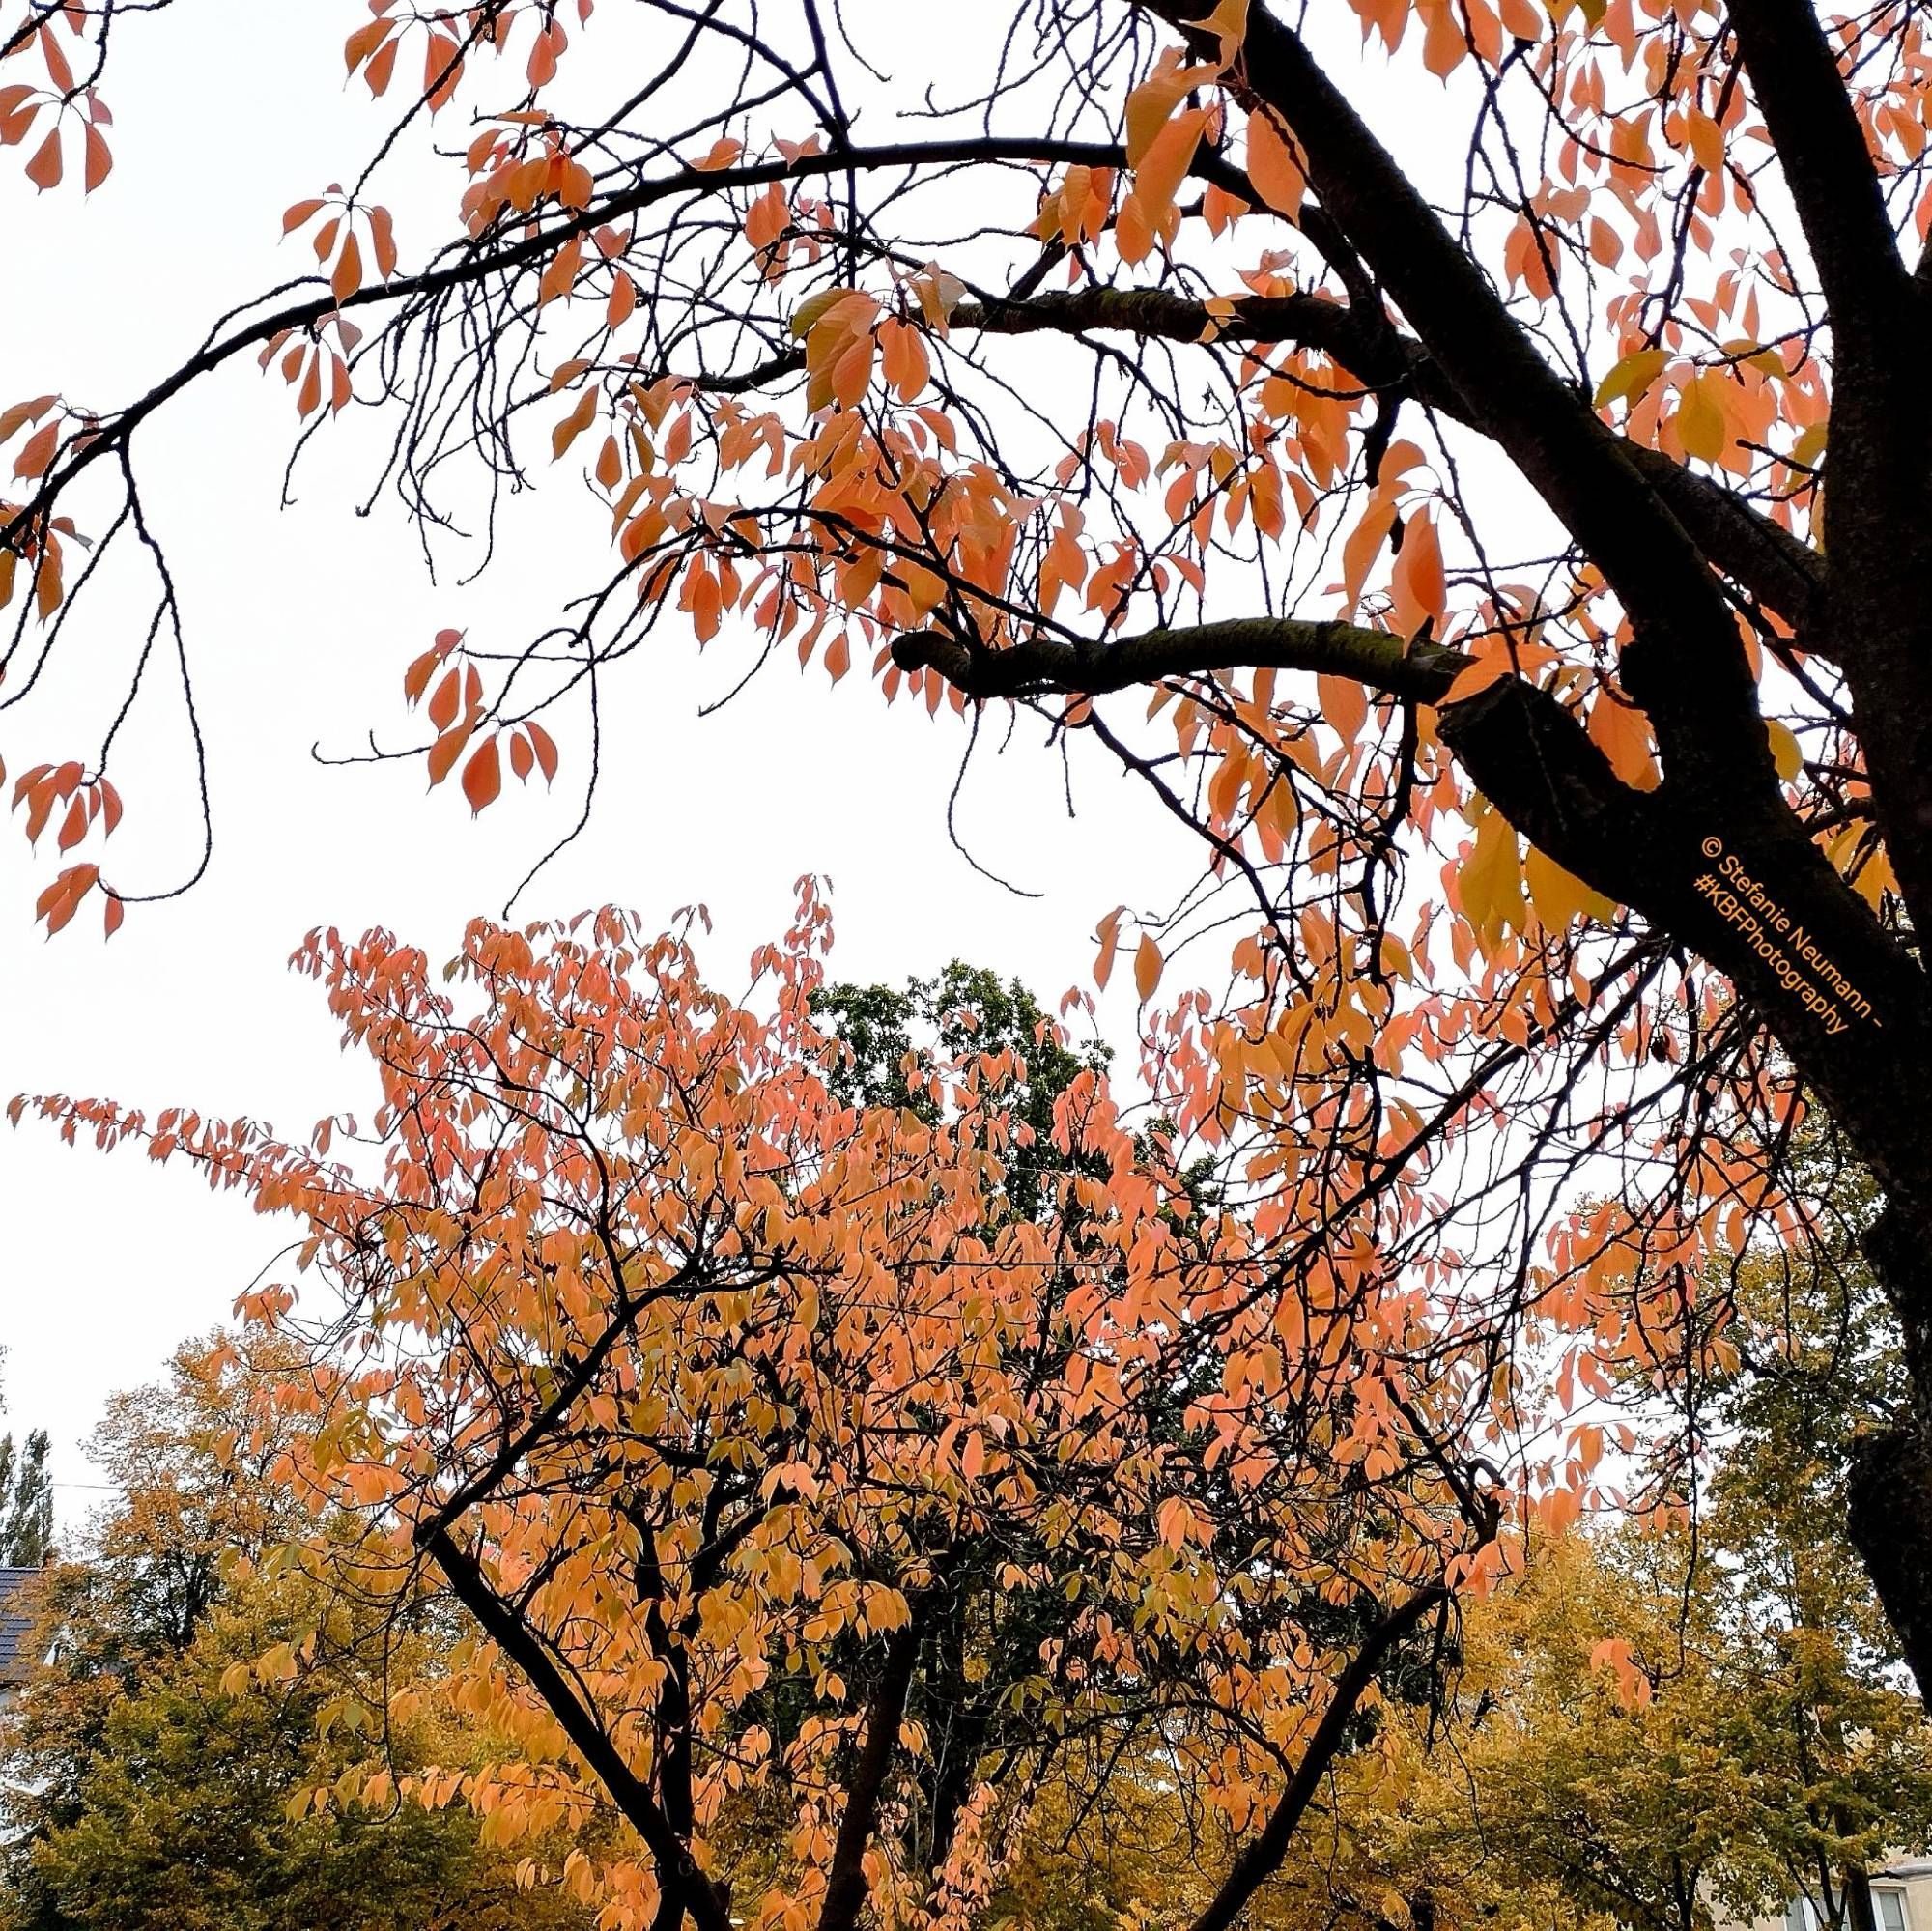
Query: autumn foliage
point(795, 1476)
point(1507, 551)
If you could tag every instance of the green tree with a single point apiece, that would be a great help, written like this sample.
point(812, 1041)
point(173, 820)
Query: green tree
point(159, 1772)
point(26, 1502)
point(1840, 1758)
point(1756, 1736)
point(892, 1038)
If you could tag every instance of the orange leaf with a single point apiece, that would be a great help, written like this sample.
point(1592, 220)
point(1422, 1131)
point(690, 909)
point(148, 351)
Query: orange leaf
point(1622, 733)
point(573, 425)
point(852, 371)
point(364, 42)
point(99, 162)
point(44, 169)
point(1345, 703)
point(347, 277)
point(23, 412)
point(73, 828)
point(38, 452)
point(59, 902)
point(1417, 582)
point(1108, 932)
point(545, 747)
point(904, 358)
point(383, 233)
point(446, 750)
point(482, 776)
point(1165, 164)
point(442, 70)
point(381, 66)
point(1150, 103)
point(1362, 544)
point(415, 679)
point(1274, 166)
point(1146, 967)
point(442, 705)
point(550, 44)
point(1491, 661)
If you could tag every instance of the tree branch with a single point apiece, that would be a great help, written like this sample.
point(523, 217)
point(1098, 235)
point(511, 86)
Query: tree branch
point(845, 1885)
point(1697, 686)
point(1878, 497)
point(1826, 166)
point(1378, 658)
point(1765, 559)
point(677, 1869)
point(1262, 1857)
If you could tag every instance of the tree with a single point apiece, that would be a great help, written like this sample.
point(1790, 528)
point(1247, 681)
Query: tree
point(156, 1773)
point(26, 1502)
point(1709, 1711)
point(1842, 1760)
point(842, 1483)
point(1477, 516)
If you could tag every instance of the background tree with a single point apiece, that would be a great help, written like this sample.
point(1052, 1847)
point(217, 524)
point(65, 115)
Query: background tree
point(161, 1763)
point(1707, 1712)
point(1842, 1763)
point(26, 1502)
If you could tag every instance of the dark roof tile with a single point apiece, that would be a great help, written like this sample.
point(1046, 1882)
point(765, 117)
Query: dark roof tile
point(15, 1624)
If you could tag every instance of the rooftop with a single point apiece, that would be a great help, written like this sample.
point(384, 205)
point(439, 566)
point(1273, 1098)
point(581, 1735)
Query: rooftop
point(15, 1624)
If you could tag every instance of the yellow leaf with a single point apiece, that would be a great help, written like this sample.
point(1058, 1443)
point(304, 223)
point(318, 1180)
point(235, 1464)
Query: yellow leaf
point(1228, 23)
point(808, 313)
point(1784, 751)
point(1560, 895)
point(1629, 379)
point(1492, 881)
point(1701, 427)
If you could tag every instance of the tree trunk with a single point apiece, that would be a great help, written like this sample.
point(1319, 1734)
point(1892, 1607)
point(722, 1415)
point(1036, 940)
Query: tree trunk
point(1858, 1912)
point(1890, 1491)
